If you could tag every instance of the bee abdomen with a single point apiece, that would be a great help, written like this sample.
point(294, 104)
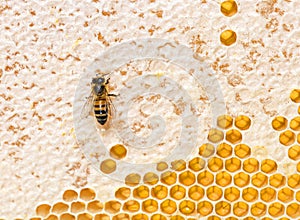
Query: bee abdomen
point(100, 110)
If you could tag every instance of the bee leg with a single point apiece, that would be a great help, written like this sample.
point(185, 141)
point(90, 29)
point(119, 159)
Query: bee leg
point(107, 81)
point(114, 95)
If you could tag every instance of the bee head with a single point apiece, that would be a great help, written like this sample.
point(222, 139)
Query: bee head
point(98, 80)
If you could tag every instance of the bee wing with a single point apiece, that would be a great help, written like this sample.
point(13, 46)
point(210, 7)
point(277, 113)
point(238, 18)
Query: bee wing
point(111, 107)
point(87, 107)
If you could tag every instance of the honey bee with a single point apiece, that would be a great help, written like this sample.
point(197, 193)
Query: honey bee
point(99, 100)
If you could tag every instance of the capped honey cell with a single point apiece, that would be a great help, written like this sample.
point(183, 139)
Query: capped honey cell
point(277, 180)
point(298, 196)
point(205, 178)
point(131, 206)
point(108, 166)
point(279, 123)
point(197, 192)
point(187, 178)
point(232, 164)
point(118, 151)
point(293, 210)
point(268, 166)
point(258, 209)
point(177, 192)
point(241, 179)
point(268, 194)
point(159, 192)
point(84, 216)
point(294, 181)
point(233, 136)
point(168, 177)
point(215, 164)
point(196, 164)
point(177, 217)
point(223, 208)
point(150, 178)
point(187, 207)
point(215, 135)
point(223, 178)
point(94, 206)
point(77, 207)
point(158, 217)
point(206, 150)
point(250, 194)
point(242, 151)
point(228, 37)
point(229, 8)
point(295, 95)
point(240, 209)
point(122, 193)
point(231, 194)
point(59, 208)
point(276, 209)
point(161, 166)
point(224, 150)
point(87, 194)
point(286, 195)
point(141, 192)
point(295, 123)
point(112, 206)
point(132, 179)
point(168, 206)
point(213, 217)
point(287, 138)
point(259, 180)
point(43, 210)
point(224, 121)
point(294, 152)
point(178, 165)
point(70, 195)
point(250, 165)
point(139, 217)
point(204, 208)
point(101, 217)
point(242, 122)
point(51, 217)
point(121, 216)
point(67, 216)
point(214, 193)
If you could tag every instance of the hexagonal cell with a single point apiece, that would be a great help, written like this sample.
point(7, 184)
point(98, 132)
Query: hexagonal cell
point(131, 206)
point(101, 217)
point(177, 217)
point(108, 166)
point(59, 208)
point(168, 177)
point(299, 110)
point(215, 164)
point(298, 166)
point(132, 179)
point(177, 192)
point(250, 194)
point(287, 138)
point(150, 205)
point(233, 136)
point(112, 206)
point(118, 151)
point(187, 207)
point(294, 152)
point(228, 37)
point(122, 193)
point(232, 164)
point(206, 150)
point(70, 195)
point(121, 216)
point(276, 209)
point(286, 195)
point(295, 123)
point(214, 193)
point(250, 165)
point(141, 192)
point(178, 165)
point(87, 194)
point(224, 121)
point(77, 207)
point(223, 208)
point(161, 166)
point(43, 210)
point(158, 217)
point(242, 122)
point(294, 181)
point(139, 217)
point(215, 135)
point(258, 209)
point(268, 166)
point(168, 206)
point(150, 178)
point(213, 217)
point(295, 95)
point(95, 206)
point(196, 164)
point(223, 178)
point(241, 179)
point(196, 192)
point(298, 196)
point(293, 210)
point(259, 180)
point(51, 217)
point(224, 150)
point(242, 151)
point(277, 180)
point(231, 194)
point(229, 8)
point(67, 216)
point(268, 194)
point(205, 178)
point(85, 216)
point(279, 123)
point(187, 178)
point(231, 218)
point(298, 138)
point(204, 208)
point(159, 192)
point(240, 209)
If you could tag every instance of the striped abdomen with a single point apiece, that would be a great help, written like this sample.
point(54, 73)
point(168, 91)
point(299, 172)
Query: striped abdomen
point(101, 109)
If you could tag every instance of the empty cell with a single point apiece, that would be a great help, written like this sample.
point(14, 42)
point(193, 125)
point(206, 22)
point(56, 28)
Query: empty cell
point(161, 166)
point(150, 178)
point(224, 121)
point(132, 179)
point(215, 135)
point(108, 166)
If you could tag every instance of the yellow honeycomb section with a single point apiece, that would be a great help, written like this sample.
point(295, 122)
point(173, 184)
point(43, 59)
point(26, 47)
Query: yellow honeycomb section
point(224, 181)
